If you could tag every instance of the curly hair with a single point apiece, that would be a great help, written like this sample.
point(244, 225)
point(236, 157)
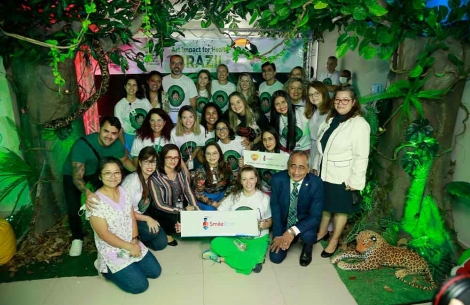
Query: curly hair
point(146, 132)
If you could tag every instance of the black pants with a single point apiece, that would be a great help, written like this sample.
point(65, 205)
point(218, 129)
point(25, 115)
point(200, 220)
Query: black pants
point(166, 220)
point(73, 199)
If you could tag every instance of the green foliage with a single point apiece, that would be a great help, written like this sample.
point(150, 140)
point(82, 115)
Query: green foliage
point(371, 116)
point(459, 189)
point(15, 175)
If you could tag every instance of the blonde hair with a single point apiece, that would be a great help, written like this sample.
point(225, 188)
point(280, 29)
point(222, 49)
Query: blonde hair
point(251, 88)
point(249, 113)
point(179, 122)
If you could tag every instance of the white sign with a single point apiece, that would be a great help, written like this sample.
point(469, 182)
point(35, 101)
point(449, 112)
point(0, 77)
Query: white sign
point(219, 223)
point(266, 160)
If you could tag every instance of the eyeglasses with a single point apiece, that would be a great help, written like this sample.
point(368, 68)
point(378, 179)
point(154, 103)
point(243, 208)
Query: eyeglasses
point(221, 129)
point(344, 101)
point(316, 94)
point(169, 158)
point(147, 162)
point(158, 121)
point(109, 174)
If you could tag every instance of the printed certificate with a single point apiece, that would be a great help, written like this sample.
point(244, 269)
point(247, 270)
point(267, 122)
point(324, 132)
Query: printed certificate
point(265, 160)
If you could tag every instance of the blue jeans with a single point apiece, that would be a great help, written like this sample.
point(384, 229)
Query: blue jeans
point(133, 278)
point(154, 241)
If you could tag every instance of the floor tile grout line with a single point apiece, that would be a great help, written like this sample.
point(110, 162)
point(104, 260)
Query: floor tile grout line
point(50, 291)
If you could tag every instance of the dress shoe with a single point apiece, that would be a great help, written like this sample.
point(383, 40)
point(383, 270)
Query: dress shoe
point(306, 256)
point(173, 243)
point(325, 237)
point(328, 254)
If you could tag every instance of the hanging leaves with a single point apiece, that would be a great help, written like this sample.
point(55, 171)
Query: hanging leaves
point(459, 189)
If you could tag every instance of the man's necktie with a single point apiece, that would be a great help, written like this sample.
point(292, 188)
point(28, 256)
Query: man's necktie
point(292, 217)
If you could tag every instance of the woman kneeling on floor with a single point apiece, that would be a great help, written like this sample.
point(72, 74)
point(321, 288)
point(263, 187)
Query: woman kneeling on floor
point(244, 254)
point(122, 258)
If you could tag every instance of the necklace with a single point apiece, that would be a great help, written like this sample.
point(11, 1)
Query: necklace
point(283, 119)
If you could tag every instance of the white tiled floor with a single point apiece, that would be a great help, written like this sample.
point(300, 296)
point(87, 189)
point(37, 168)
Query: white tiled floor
point(187, 279)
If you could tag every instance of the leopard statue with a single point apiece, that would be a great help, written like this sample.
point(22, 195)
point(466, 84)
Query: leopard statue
point(376, 252)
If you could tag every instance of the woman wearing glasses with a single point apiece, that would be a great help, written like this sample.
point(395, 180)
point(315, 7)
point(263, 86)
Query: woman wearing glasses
point(122, 258)
point(343, 155)
point(155, 131)
point(316, 110)
point(214, 180)
point(170, 190)
point(245, 255)
point(136, 186)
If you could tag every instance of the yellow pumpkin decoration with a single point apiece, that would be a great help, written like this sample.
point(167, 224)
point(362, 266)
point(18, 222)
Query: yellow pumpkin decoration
point(7, 242)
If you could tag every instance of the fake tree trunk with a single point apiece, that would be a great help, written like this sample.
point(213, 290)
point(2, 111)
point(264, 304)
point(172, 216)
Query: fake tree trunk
point(39, 101)
point(442, 115)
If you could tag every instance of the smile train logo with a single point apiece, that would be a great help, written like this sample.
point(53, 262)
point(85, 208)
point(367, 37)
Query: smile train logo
point(205, 224)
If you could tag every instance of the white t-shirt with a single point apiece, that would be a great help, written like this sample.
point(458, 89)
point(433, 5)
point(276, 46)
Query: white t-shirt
point(187, 143)
point(201, 100)
point(258, 200)
point(119, 220)
point(330, 79)
point(302, 131)
point(265, 96)
point(232, 152)
point(209, 137)
point(220, 93)
point(179, 91)
point(132, 115)
point(140, 144)
point(133, 188)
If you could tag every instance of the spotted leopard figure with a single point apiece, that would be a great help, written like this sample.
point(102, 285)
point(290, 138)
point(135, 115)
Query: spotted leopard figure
point(376, 252)
point(83, 107)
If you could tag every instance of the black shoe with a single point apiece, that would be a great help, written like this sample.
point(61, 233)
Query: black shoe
point(325, 237)
point(173, 243)
point(258, 268)
point(327, 254)
point(306, 256)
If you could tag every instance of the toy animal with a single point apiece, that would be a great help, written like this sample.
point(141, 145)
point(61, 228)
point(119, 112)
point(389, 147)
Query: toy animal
point(376, 252)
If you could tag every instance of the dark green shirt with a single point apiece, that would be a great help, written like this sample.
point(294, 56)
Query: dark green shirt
point(82, 153)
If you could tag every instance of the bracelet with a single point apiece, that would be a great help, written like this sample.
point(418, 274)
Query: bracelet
point(137, 237)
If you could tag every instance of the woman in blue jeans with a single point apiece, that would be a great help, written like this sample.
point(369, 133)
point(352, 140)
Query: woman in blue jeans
point(136, 186)
point(214, 180)
point(122, 258)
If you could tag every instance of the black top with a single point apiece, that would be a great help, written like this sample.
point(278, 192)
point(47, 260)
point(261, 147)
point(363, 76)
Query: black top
point(334, 124)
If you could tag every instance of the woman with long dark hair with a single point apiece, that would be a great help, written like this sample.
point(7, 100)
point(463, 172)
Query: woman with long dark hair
point(270, 144)
point(131, 110)
point(203, 87)
point(154, 91)
point(122, 258)
point(245, 255)
point(343, 154)
point(170, 190)
point(136, 186)
point(155, 131)
point(214, 180)
point(291, 123)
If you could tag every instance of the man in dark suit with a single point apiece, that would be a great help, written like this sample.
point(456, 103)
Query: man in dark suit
point(296, 208)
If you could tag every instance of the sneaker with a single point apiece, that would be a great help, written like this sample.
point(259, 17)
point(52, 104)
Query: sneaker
point(98, 269)
point(76, 247)
point(258, 268)
point(208, 254)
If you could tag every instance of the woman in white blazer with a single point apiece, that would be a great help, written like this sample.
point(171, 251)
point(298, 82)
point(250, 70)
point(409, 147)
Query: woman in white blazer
point(341, 162)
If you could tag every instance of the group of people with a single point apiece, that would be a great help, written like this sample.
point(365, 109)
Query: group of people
point(137, 175)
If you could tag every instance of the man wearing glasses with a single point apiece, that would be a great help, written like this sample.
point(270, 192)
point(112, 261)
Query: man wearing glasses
point(181, 89)
point(80, 167)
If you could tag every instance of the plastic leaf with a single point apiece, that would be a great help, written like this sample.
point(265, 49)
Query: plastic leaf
point(460, 189)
